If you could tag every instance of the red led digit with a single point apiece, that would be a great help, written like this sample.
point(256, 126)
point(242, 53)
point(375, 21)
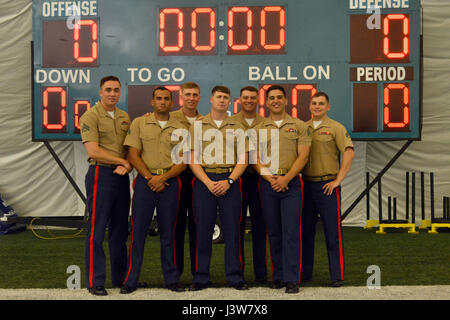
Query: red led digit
point(46, 104)
point(262, 94)
point(236, 105)
point(231, 24)
point(300, 87)
point(162, 30)
point(212, 31)
point(281, 26)
point(80, 104)
point(262, 99)
point(262, 111)
point(387, 105)
point(178, 90)
point(386, 43)
point(94, 43)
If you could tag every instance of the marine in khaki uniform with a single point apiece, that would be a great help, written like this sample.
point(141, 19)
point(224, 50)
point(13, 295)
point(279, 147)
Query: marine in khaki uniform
point(249, 118)
point(190, 96)
point(281, 188)
point(323, 175)
point(103, 130)
point(151, 140)
point(218, 161)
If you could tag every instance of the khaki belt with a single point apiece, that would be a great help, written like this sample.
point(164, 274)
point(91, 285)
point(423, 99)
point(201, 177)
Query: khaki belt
point(96, 163)
point(158, 172)
point(281, 171)
point(219, 170)
point(320, 178)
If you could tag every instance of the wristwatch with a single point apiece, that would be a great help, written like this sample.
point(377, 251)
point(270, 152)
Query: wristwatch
point(230, 181)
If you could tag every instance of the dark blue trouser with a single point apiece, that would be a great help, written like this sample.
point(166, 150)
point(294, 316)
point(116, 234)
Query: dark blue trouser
point(329, 208)
point(143, 207)
point(108, 201)
point(185, 217)
point(205, 213)
point(252, 201)
point(282, 213)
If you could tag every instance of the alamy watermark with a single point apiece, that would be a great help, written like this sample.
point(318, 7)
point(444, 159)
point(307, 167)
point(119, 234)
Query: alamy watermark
point(74, 280)
point(374, 20)
point(374, 281)
point(74, 17)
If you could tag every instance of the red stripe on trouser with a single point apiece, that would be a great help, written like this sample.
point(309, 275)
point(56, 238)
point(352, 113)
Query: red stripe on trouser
point(195, 221)
point(301, 249)
point(240, 222)
point(91, 239)
point(134, 182)
point(176, 221)
point(132, 239)
point(131, 250)
point(341, 253)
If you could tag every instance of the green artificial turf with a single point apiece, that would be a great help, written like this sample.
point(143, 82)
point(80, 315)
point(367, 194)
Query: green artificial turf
point(404, 259)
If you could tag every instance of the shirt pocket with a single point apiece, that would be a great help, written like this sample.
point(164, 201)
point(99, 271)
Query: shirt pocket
point(325, 144)
point(106, 132)
point(169, 137)
point(150, 139)
point(289, 141)
point(123, 130)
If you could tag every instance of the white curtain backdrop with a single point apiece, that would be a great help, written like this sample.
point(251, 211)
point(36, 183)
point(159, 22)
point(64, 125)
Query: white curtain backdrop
point(34, 185)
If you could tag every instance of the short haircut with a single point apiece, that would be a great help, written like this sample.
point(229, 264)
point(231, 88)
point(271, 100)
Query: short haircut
point(109, 78)
point(161, 88)
point(275, 87)
point(248, 88)
point(222, 89)
point(190, 85)
point(321, 94)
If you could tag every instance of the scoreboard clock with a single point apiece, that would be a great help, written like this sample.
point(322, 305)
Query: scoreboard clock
point(366, 54)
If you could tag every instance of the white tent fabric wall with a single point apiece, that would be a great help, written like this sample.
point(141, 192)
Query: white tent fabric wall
point(432, 153)
point(34, 185)
point(30, 179)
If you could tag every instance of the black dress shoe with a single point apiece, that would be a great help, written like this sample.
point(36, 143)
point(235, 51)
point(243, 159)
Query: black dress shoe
point(336, 284)
point(98, 291)
point(240, 286)
point(278, 284)
point(292, 287)
point(176, 287)
point(142, 285)
point(126, 289)
point(263, 281)
point(198, 286)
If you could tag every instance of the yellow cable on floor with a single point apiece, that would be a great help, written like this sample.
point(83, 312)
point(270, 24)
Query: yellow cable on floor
point(54, 237)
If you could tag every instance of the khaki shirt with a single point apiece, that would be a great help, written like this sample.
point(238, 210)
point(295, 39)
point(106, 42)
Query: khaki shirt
point(240, 118)
point(98, 126)
point(252, 137)
point(291, 133)
point(222, 153)
point(328, 140)
point(154, 142)
point(181, 117)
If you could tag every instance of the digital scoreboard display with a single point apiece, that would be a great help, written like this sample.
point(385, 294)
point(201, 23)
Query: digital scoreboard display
point(366, 54)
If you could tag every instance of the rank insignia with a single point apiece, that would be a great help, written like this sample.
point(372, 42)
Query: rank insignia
point(85, 128)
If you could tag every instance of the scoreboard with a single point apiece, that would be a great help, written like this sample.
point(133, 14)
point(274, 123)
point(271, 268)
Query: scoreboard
point(366, 54)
